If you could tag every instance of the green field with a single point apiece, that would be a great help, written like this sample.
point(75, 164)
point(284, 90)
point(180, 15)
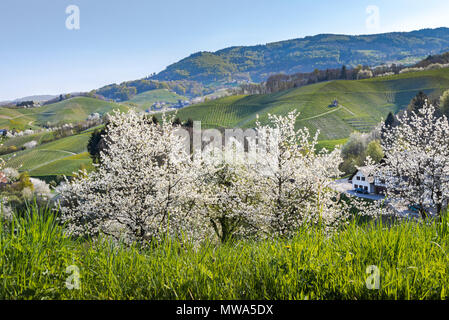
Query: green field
point(146, 99)
point(68, 111)
point(363, 103)
point(60, 157)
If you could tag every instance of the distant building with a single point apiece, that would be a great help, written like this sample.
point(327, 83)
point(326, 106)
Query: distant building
point(362, 179)
point(181, 104)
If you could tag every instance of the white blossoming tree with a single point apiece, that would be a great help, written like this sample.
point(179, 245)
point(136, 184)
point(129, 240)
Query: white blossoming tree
point(228, 193)
point(416, 168)
point(142, 190)
point(296, 179)
point(148, 185)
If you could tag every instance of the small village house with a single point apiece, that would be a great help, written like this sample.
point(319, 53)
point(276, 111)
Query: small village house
point(363, 179)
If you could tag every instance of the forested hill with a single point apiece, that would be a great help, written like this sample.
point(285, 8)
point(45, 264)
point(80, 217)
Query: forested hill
point(256, 63)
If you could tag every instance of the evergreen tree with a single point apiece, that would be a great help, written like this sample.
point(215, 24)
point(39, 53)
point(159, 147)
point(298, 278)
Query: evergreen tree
point(188, 123)
point(96, 144)
point(417, 102)
point(343, 74)
point(390, 121)
point(177, 122)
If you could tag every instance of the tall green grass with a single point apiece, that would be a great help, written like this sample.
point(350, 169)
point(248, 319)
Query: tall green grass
point(412, 259)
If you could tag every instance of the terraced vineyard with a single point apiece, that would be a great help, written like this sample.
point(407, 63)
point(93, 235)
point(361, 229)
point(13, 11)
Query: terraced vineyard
point(361, 124)
point(362, 104)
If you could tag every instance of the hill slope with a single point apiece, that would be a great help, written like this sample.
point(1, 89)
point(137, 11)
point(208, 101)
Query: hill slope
point(146, 99)
point(362, 103)
point(71, 110)
point(256, 63)
point(60, 157)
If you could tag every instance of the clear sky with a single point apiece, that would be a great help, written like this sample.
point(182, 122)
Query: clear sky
point(125, 40)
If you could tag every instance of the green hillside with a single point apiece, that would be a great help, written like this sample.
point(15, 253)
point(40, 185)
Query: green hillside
point(256, 63)
point(63, 156)
point(71, 110)
point(59, 157)
point(146, 99)
point(362, 103)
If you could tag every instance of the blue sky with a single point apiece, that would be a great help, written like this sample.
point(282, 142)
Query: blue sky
point(126, 40)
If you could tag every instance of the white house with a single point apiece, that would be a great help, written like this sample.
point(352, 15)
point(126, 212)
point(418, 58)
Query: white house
point(362, 179)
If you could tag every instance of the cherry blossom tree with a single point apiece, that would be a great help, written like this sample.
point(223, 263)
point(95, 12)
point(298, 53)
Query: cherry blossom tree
point(229, 196)
point(416, 163)
point(142, 190)
point(148, 185)
point(297, 179)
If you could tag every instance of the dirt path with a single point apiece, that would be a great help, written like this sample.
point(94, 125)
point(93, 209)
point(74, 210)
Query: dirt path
point(321, 114)
point(348, 110)
point(48, 162)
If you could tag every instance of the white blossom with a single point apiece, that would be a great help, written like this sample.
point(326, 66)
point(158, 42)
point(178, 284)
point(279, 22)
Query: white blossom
point(41, 189)
point(229, 195)
point(416, 168)
point(143, 188)
point(11, 174)
point(30, 144)
point(148, 185)
point(297, 179)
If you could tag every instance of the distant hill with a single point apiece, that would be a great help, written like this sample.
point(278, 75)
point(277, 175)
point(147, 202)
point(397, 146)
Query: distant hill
point(146, 99)
point(256, 63)
point(67, 111)
point(361, 103)
point(38, 98)
point(129, 89)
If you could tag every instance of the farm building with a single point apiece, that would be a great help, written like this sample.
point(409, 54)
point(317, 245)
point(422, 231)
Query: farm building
point(362, 179)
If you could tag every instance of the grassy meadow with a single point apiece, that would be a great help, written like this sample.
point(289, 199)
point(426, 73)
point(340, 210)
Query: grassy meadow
point(411, 258)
